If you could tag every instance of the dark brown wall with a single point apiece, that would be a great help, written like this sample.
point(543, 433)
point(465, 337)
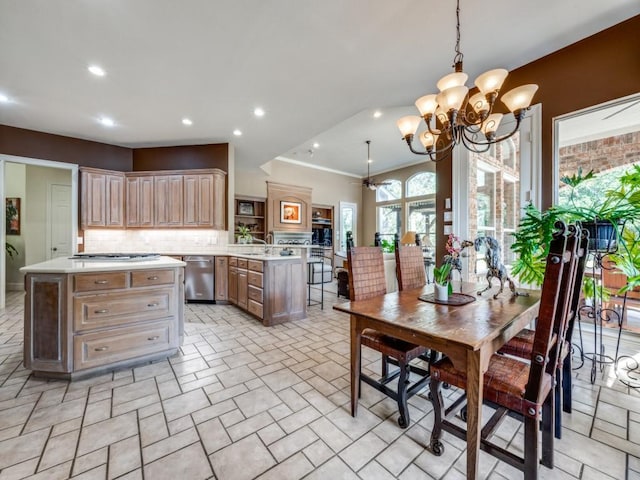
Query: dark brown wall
point(179, 158)
point(46, 146)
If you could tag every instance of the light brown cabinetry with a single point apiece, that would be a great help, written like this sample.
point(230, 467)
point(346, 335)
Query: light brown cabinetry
point(139, 206)
point(167, 199)
point(271, 290)
point(82, 323)
point(250, 212)
point(221, 294)
point(102, 197)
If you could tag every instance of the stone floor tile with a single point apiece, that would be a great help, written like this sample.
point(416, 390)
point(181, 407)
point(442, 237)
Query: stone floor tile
point(18, 449)
point(51, 415)
point(236, 376)
point(318, 452)
point(299, 419)
point(20, 470)
point(107, 432)
point(124, 456)
point(414, 473)
point(137, 404)
point(399, 455)
point(293, 468)
point(97, 411)
point(256, 401)
point(90, 461)
point(59, 449)
point(213, 435)
point(189, 462)
point(354, 427)
point(230, 462)
point(152, 452)
point(271, 433)
point(292, 443)
point(281, 379)
point(213, 411)
point(334, 468)
point(250, 425)
point(374, 471)
point(185, 404)
point(59, 472)
point(294, 400)
point(360, 452)
point(330, 370)
point(17, 415)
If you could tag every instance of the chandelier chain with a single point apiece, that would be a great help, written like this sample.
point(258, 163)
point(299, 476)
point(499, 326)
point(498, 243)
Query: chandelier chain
point(458, 57)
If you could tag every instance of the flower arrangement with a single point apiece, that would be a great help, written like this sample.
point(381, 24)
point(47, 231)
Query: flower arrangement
point(441, 273)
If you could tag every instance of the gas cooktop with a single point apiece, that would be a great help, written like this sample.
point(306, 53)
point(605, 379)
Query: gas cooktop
point(116, 257)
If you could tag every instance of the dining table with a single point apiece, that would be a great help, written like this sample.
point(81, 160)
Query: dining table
point(468, 334)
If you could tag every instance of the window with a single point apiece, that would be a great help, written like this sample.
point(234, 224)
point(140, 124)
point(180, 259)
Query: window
point(421, 183)
point(392, 191)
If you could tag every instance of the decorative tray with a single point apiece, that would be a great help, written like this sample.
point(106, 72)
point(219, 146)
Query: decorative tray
point(454, 299)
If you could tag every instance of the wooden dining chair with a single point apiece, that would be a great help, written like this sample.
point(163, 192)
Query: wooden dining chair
point(410, 267)
point(366, 280)
point(513, 385)
point(522, 344)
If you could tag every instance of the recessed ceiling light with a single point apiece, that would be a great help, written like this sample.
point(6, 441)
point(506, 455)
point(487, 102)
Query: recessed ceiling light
point(4, 98)
point(97, 71)
point(237, 132)
point(377, 114)
point(258, 112)
point(107, 122)
point(316, 145)
point(187, 121)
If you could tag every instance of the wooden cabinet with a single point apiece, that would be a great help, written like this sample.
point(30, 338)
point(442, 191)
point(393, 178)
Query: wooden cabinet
point(250, 211)
point(171, 199)
point(139, 206)
point(102, 197)
point(322, 225)
point(272, 290)
point(221, 294)
point(82, 323)
point(168, 200)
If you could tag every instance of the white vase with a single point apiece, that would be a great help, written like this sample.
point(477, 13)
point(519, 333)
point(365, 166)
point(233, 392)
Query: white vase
point(441, 291)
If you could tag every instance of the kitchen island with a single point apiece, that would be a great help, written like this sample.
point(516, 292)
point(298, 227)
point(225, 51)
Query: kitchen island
point(87, 316)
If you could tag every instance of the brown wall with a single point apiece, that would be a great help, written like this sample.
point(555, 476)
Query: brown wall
point(46, 146)
point(184, 157)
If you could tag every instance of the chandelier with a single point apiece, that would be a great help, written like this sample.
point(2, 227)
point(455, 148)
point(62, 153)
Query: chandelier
point(452, 117)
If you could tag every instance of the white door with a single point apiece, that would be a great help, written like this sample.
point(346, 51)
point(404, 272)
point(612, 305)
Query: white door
point(59, 230)
point(348, 223)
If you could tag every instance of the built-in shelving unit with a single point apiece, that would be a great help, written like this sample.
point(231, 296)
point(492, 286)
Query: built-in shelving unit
point(322, 225)
point(250, 211)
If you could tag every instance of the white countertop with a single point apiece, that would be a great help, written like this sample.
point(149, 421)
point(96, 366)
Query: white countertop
point(68, 265)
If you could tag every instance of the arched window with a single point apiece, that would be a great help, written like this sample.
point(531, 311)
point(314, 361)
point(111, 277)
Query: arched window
point(422, 183)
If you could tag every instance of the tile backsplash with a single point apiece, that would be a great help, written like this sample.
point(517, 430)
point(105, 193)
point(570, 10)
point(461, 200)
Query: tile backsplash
point(176, 241)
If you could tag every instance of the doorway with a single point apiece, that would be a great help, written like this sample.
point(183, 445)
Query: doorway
point(48, 206)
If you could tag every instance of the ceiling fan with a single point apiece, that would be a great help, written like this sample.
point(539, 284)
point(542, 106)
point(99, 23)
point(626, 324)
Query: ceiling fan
point(367, 183)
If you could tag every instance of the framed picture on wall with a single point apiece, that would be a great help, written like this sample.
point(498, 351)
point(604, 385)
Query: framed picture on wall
point(245, 208)
point(290, 212)
point(13, 216)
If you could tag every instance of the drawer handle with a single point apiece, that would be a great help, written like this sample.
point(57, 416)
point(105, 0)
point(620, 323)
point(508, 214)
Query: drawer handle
point(153, 277)
point(103, 310)
point(101, 282)
point(101, 349)
point(152, 304)
point(155, 337)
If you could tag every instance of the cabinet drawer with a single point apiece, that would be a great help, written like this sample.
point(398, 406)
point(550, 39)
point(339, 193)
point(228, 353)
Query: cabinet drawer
point(255, 308)
point(233, 261)
point(143, 278)
point(255, 293)
point(242, 263)
point(101, 348)
point(99, 311)
point(255, 279)
point(255, 265)
point(88, 282)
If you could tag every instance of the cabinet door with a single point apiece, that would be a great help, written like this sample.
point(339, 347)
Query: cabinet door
point(222, 274)
point(114, 201)
point(93, 196)
point(198, 200)
point(139, 204)
point(168, 191)
point(233, 285)
point(243, 288)
point(219, 201)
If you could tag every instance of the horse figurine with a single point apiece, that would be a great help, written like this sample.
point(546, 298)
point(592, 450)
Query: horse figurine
point(495, 267)
point(455, 261)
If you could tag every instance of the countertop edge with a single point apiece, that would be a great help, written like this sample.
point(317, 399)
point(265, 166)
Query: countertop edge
point(67, 265)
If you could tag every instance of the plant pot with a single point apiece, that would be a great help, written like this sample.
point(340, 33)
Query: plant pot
point(441, 291)
point(603, 234)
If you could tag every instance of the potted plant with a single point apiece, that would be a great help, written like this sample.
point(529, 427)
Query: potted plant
point(244, 234)
point(593, 208)
point(441, 277)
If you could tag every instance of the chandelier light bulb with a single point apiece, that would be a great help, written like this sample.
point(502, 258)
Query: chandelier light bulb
point(479, 103)
point(455, 79)
point(428, 140)
point(452, 98)
point(408, 125)
point(491, 124)
point(427, 105)
point(519, 97)
point(491, 81)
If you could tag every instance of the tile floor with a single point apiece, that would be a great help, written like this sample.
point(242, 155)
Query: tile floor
point(242, 401)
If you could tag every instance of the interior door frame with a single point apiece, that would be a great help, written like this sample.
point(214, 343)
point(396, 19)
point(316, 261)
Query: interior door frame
point(73, 168)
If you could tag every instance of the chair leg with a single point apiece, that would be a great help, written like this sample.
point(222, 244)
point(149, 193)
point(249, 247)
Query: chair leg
point(436, 446)
point(557, 403)
point(385, 365)
point(548, 421)
point(403, 382)
point(531, 449)
point(566, 384)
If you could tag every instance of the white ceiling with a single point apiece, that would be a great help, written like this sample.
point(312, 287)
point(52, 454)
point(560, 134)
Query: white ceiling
point(319, 68)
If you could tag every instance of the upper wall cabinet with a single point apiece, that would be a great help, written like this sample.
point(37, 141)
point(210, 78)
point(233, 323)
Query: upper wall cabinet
point(164, 199)
point(102, 197)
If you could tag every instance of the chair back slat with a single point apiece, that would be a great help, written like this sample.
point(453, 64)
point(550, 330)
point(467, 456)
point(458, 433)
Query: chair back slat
point(366, 273)
point(551, 285)
point(582, 254)
point(410, 267)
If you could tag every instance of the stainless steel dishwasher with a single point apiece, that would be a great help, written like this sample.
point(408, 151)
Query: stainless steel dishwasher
point(199, 278)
